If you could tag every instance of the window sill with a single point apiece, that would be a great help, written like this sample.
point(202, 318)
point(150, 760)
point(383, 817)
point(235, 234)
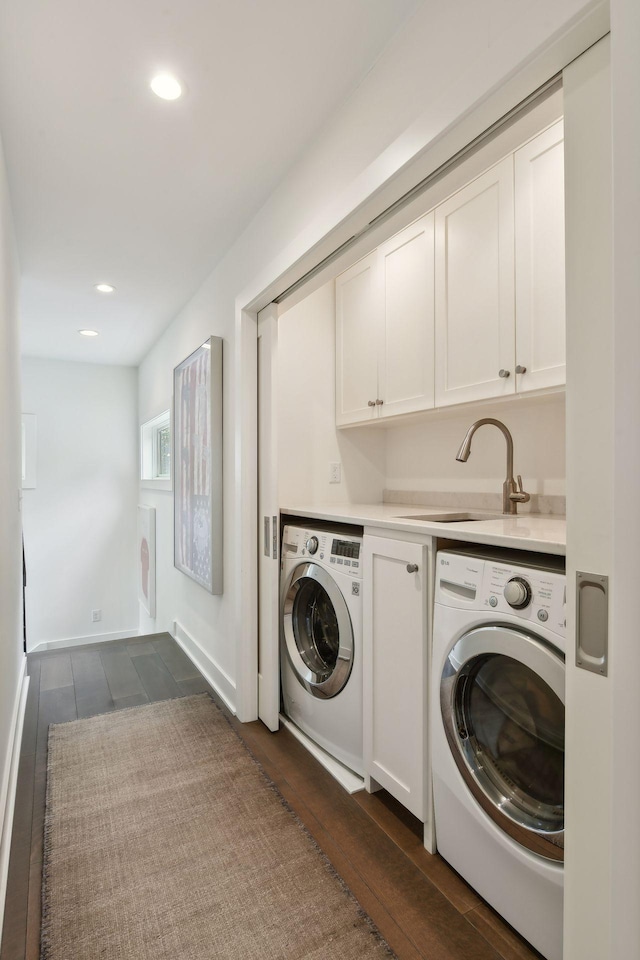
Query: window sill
point(156, 484)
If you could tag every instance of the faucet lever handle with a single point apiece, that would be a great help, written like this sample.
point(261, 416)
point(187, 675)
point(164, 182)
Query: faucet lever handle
point(518, 494)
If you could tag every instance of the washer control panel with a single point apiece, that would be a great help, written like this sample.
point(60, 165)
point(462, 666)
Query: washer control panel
point(338, 551)
point(531, 594)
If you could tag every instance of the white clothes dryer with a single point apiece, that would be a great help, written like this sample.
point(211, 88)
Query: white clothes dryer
point(497, 723)
point(321, 639)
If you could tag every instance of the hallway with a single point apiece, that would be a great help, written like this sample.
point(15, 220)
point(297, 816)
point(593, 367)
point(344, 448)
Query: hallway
point(421, 907)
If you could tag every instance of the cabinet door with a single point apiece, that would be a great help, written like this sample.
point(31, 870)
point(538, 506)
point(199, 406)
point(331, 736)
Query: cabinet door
point(540, 300)
point(394, 664)
point(358, 315)
point(406, 359)
point(475, 290)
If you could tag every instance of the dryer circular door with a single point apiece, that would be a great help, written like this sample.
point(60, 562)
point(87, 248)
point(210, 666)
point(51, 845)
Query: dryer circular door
point(317, 630)
point(502, 703)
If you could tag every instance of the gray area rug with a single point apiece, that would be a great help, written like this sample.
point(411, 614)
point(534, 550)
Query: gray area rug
point(164, 839)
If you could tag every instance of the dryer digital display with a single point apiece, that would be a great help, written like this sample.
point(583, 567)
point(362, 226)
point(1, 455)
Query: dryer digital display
point(345, 548)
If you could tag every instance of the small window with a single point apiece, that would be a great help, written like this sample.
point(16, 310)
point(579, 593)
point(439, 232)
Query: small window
point(155, 449)
point(162, 452)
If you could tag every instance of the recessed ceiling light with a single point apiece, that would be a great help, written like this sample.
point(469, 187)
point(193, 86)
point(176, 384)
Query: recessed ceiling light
point(166, 86)
point(104, 288)
point(88, 333)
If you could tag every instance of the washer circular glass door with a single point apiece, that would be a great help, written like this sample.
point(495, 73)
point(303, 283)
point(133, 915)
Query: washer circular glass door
point(317, 631)
point(502, 703)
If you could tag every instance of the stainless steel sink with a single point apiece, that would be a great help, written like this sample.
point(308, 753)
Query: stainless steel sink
point(452, 517)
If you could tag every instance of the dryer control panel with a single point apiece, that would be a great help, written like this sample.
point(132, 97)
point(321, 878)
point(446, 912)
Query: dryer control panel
point(531, 594)
point(336, 551)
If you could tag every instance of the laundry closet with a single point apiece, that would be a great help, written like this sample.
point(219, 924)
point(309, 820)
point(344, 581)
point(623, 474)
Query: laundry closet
point(454, 314)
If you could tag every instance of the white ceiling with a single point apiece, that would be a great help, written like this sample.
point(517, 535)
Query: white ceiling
point(109, 183)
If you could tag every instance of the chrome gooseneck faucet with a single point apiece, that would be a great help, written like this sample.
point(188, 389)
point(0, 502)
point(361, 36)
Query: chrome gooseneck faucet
point(512, 492)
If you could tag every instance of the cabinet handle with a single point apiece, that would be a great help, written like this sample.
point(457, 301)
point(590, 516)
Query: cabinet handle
point(412, 568)
point(371, 403)
point(379, 403)
point(520, 369)
point(503, 374)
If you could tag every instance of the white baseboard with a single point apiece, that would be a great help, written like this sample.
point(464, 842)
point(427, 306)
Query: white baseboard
point(80, 641)
point(10, 782)
point(210, 670)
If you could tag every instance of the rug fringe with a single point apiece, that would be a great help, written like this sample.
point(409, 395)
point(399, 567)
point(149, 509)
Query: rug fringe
point(46, 921)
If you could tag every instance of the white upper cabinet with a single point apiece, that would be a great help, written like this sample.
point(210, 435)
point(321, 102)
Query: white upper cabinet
point(358, 312)
point(474, 257)
point(465, 304)
point(406, 357)
point(540, 298)
point(384, 329)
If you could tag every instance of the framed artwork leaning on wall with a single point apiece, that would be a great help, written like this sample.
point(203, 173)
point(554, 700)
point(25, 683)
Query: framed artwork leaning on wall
point(197, 465)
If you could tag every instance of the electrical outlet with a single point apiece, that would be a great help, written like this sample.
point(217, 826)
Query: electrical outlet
point(96, 615)
point(335, 473)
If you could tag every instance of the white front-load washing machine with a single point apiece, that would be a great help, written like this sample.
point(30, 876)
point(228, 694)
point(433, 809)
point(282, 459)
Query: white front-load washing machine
point(321, 639)
point(497, 726)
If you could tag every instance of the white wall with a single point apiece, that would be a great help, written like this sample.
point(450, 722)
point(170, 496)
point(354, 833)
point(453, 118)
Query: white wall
point(80, 520)
point(422, 455)
point(444, 60)
point(11, 655)
point(205, 618)
point(401, 110)
point(307, 436)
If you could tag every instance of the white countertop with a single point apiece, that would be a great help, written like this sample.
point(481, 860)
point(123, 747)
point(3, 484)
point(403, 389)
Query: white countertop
point(541, 534)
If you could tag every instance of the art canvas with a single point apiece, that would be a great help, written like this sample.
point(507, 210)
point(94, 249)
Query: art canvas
point(197, 418)
point(147, 558)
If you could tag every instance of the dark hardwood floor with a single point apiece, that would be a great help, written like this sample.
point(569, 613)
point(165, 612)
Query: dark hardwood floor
point(422, 908)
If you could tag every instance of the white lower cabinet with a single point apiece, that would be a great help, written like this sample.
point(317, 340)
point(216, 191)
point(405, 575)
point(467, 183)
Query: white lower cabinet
point(395, 617)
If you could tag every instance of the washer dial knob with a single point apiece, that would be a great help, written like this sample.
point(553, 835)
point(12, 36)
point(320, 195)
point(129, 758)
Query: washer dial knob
point(312, 545)
point(517, 593)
